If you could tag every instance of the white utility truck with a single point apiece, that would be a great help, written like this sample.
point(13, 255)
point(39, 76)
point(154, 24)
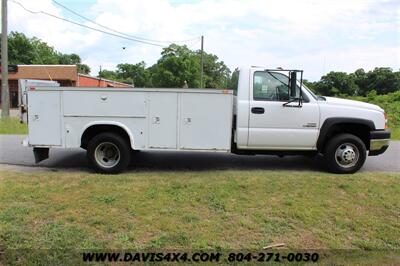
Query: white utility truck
point(270, 112)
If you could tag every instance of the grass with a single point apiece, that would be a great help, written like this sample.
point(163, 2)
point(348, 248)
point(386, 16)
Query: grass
point(200, 210)
point(12, 126)
point(395, 133)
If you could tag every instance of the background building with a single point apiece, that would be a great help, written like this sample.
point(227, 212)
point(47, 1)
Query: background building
point(89, 81)
point(66, 75)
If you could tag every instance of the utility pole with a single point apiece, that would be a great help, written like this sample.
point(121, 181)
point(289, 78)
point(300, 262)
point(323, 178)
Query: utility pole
point(202, 61)
point(5, 98)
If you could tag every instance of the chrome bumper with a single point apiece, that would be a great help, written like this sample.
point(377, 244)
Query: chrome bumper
point(378, 144)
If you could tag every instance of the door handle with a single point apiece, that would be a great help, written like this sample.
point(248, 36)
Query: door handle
point(257, 110)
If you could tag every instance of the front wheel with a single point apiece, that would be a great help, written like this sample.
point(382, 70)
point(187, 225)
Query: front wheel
point(345, 154)
point(108, 153)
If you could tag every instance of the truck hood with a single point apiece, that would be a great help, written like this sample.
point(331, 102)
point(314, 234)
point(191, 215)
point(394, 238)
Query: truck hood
point(345, 102)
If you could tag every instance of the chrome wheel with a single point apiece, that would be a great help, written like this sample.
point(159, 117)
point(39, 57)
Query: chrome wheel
point(107, 154)
point(347, 155)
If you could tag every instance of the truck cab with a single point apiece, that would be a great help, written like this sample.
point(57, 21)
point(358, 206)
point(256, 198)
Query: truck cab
point(277, 114)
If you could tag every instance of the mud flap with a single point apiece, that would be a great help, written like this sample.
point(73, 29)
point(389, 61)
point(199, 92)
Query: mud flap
point(40, 154)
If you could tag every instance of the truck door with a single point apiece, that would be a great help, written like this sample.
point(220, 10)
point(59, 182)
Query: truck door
point(275, 126)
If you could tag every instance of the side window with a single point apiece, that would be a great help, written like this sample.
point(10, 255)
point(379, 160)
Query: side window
point(271, 87)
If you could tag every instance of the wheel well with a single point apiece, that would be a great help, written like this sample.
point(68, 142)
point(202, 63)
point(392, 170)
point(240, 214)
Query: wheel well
point(94, 130)
point(360, 130)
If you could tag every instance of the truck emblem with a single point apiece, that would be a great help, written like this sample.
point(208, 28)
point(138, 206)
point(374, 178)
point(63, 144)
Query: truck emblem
point(310, 125)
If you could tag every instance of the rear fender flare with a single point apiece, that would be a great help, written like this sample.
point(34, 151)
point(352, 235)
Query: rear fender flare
point(111, 123)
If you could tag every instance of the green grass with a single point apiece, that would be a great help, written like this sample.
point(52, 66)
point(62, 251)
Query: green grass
point(395, 133)
point(12, 126)
point(200, 210)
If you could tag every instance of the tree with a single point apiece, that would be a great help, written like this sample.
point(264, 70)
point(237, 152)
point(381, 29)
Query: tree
point(336, 83)
point(234, 80)
point(108, 74)
point(383, 80)
point(69, 59)
point(24, 50)
point(83, 68)
point(136, 74)
point(216, 74)
point(179, 64)
point(73, 59)
point(176, 65)
point(44, 54)
point(360, 78)
point(20, 49)
point(309, 84)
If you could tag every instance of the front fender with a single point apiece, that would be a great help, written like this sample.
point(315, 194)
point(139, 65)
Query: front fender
point(329, 123)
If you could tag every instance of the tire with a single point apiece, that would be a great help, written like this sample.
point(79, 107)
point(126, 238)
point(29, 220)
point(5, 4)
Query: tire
point(108, 153)
point(345, 154)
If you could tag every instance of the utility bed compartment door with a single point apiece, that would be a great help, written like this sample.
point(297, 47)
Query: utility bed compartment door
point(44, 118)
point(104, 103)
point(163, 120)
point(205, 121)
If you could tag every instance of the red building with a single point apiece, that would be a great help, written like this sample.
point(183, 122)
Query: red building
point(89, 81)
point(66, 75)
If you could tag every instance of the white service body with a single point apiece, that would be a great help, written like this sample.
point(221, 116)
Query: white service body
point(155, 119)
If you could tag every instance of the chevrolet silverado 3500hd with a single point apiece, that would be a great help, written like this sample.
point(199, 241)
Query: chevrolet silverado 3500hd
point(271, 112)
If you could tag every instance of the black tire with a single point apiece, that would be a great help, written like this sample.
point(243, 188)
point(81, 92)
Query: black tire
point(345, 154)
point(108, 153)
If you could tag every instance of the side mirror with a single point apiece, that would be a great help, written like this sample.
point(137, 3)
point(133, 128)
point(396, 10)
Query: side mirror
point(293, 83)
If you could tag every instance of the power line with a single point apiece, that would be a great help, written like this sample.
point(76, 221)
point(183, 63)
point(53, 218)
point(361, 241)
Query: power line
point(119, 32)
point(85, 26)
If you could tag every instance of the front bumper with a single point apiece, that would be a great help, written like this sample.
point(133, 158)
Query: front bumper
point(379, 142)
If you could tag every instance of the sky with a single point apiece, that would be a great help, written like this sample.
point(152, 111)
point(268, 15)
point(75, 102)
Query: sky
point(316, 36)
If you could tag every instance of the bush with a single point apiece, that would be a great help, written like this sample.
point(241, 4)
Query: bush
point(390, 103)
